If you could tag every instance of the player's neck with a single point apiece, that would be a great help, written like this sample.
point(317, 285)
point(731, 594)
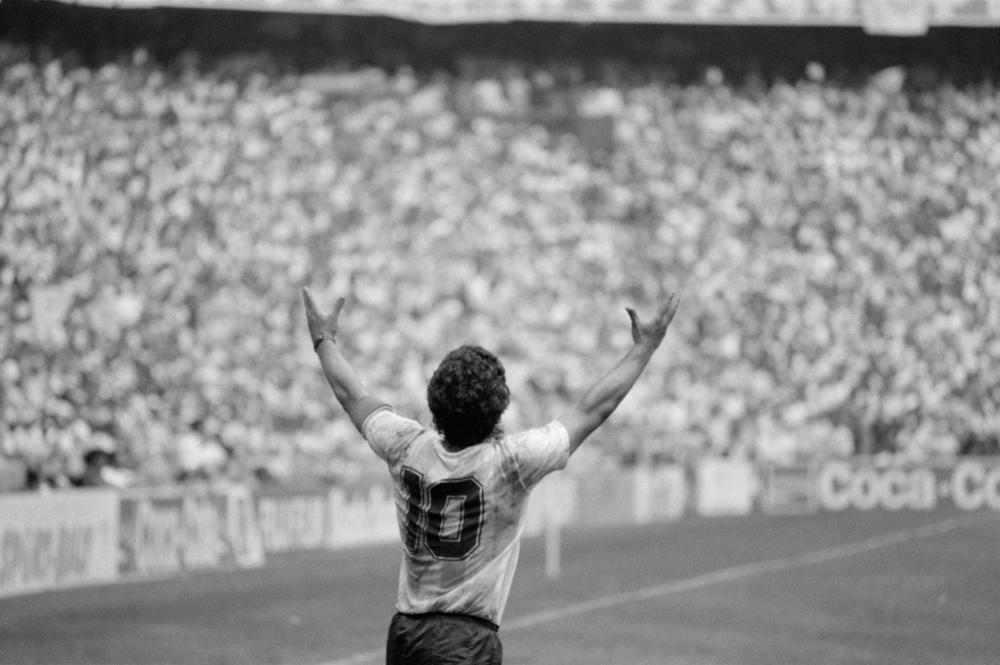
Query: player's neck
point(455, 448)
point(452, 448)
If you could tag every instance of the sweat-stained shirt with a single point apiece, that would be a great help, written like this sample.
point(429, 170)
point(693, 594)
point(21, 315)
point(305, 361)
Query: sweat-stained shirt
point(461, 514)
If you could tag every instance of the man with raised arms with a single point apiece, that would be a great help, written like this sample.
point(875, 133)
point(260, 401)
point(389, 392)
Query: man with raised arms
point(461, 486)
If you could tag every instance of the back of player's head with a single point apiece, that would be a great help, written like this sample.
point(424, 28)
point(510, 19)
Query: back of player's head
point(467, 395)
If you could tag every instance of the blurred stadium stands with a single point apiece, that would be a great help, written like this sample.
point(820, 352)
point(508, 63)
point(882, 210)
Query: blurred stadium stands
point(170, 178)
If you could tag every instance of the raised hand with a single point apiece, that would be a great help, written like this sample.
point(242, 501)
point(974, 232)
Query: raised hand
point(654, 331)
point(321, 325)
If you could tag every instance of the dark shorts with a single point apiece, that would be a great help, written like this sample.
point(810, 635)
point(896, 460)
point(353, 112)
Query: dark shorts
point(442, 639)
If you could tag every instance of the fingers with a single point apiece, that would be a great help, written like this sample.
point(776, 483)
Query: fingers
point(669, 308)
point(636, 330)
point(308, 299)
point(314, 312)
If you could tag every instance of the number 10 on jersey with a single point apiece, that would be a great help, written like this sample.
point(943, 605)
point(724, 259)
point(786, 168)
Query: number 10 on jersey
point(446, 516)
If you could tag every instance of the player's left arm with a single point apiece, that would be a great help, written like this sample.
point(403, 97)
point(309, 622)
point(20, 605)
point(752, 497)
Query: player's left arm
point(606, 394)
point(340, 374)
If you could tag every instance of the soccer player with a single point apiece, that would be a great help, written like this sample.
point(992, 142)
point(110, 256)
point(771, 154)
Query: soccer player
point(461, 487)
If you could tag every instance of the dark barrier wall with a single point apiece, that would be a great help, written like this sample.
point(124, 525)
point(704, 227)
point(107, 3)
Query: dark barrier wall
point(306, 40)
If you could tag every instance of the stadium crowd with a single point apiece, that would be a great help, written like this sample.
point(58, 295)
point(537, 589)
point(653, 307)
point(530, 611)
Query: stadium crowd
point(838, 245)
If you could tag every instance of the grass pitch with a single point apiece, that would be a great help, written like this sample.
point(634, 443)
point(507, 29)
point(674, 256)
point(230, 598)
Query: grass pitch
point(846, 588)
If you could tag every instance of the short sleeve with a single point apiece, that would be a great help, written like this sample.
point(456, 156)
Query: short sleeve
point(538, 452)
point(363, 408)
point(388, 434)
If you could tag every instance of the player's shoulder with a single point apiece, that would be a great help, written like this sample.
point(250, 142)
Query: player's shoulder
point(391, 435)
point(550, 439)
point(386, 420)
point(531, 454)
point(553, 430)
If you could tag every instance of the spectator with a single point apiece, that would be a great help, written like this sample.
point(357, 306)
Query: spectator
point(840, 242)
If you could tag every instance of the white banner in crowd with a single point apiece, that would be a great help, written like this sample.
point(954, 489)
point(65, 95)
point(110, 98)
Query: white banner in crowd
point(896, 17)
point(57, 540)
point(730, 12)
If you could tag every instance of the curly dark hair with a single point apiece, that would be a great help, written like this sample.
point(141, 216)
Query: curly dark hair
point(467, 395)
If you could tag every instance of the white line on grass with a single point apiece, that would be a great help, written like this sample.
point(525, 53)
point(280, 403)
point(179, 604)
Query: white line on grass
point(719, 576)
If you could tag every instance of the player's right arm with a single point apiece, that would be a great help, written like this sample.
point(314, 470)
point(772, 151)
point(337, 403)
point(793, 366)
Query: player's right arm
point(346, 385)
point(602, 398)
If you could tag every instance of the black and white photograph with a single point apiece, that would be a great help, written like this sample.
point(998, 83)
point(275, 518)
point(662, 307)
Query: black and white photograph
point(499, 332)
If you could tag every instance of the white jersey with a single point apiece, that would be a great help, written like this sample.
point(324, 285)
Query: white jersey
point(460, 514)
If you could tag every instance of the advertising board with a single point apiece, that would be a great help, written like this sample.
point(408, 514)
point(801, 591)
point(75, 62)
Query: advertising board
point(360, 515)
point(969, 484)
point(724, 486)
point(293, 520)
point(168, 530)
point(56, 540)
point(659, 493)
point(788, 490)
